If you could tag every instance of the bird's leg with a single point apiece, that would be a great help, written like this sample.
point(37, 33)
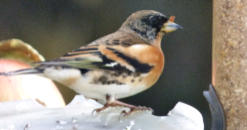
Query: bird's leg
point(111, 102)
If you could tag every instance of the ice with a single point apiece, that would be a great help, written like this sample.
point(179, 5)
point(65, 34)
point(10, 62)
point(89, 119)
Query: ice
point(30, 115)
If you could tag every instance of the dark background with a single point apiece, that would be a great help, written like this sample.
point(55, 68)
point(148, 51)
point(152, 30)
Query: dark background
point(54, 27)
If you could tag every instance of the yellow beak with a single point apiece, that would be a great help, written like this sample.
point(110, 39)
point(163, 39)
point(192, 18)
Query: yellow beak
point(170, 27)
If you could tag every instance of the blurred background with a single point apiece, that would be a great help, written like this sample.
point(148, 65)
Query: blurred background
point(54, 27)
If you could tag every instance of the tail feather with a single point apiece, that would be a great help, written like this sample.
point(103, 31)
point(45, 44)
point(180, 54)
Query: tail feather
point(20, 72)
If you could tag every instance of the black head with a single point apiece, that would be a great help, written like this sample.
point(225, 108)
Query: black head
point(146, 23)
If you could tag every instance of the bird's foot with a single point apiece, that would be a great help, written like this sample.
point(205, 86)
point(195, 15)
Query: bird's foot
point(136, 109)
point(132, 108)
point(107, 105)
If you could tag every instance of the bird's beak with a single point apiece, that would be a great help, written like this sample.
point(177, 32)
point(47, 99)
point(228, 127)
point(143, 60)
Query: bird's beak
point(170, 26)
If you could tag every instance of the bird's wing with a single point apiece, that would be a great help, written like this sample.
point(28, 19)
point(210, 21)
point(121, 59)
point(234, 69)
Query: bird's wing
point(85, 57)
point(95, 56)
point(109, 52)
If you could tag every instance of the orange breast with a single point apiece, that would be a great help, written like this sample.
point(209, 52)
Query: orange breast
point(144, 53)
point(151, 55)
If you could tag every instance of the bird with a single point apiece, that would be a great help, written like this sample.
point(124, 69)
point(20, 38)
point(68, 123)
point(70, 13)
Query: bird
point(118, 65)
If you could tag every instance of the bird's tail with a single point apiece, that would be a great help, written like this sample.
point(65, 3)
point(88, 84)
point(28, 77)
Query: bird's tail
point(20, 72)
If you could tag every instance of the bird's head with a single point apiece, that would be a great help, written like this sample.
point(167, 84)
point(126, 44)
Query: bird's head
point(149, 24)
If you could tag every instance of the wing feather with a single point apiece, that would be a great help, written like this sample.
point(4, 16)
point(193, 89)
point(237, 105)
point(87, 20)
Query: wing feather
point(98, 55)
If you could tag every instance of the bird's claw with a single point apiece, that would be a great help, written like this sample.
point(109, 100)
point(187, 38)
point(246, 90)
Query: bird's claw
point(135, 109)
